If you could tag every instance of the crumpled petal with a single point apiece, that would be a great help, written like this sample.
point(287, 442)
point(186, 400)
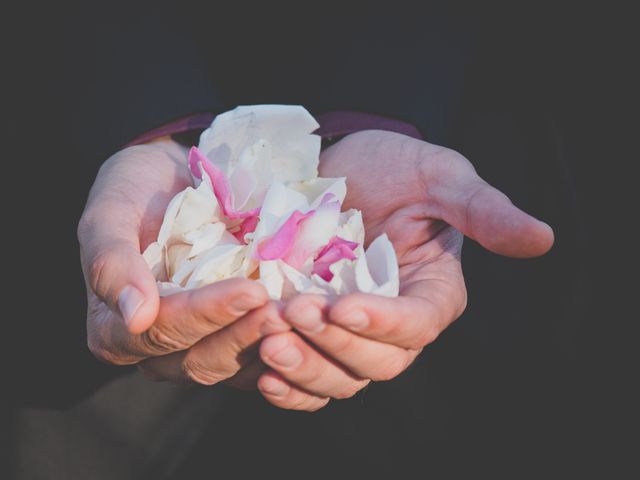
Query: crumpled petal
point(279, 245)
point(187, 211)
point(154, 256)
point(314, 232)
point(286, 128)
point(334, 251)
point(223, 193)
point(317, 188)
point(259, 210)
point(219, 263)
point(377, 270)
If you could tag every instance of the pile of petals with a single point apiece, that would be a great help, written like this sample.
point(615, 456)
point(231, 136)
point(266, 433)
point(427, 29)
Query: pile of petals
point(259, 210)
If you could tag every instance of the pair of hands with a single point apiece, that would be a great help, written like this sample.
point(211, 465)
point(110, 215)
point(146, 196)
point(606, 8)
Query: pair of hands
point(304, 352)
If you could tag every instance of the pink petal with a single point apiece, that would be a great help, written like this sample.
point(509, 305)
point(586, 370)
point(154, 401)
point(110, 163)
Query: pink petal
point(281, 242)
point(314, 233)
point(248, 225)
point(221, 186)
point(194, 157)
point(337, 249)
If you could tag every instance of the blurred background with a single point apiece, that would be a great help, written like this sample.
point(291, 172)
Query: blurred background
point(536, 377)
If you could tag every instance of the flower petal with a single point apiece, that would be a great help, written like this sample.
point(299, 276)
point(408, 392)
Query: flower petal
point(187, 211)
point(219, 263)
point(207, 237)
point(337, 249)
point(154, 256)
point(279, 245)
point(314, 233)
point(272, 278)
point(287, 128)
point(168, 288)
point(377, 270)
point(315, 189)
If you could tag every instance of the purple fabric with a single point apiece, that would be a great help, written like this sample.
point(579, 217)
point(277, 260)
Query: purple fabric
point(332, 125)
point(338, 124)
point(197, 121)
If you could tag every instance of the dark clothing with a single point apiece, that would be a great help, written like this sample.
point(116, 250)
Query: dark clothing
point(501, 391)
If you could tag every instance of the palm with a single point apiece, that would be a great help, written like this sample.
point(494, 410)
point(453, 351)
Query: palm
point(385, 180)
point(140, 181)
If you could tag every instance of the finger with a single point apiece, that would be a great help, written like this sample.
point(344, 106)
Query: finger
point(221, 355)
point(277, 391)
point(115, 269)
point(412, 320)
point(118, 216)
point(307, 369)
point(459, 196)
point(363, 357)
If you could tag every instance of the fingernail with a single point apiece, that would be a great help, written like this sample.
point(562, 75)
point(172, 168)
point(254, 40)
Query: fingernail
point(274, 387)
point(129, 301)
point(355, 320)
point(284, 354)
point(309, 319)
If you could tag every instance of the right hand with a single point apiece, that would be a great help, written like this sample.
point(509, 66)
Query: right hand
point(206, 335)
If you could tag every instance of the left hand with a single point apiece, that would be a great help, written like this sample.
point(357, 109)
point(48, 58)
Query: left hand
point(425, 198)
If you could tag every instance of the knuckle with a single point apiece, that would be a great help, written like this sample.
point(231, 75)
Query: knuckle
point(315, 406)
point(310, 376)
point(426, 337)
point(351, 389)
point(391, 369)
point(343, 345)
point(157, 339)
point(393, 327)
point(198, 373)
point(96, 271)
point(298, 403)
point(104, 354)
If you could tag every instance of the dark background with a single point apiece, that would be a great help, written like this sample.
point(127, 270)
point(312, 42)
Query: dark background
point(536, 378)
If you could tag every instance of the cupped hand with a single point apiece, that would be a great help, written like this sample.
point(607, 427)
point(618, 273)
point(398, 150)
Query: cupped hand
point(425, 198)
point(206, 335)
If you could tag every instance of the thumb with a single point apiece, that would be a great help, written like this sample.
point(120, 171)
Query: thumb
point(486, 215)
point(116, 272)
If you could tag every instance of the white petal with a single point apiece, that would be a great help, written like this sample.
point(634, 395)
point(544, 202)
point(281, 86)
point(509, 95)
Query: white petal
point(154, 256)
point(252, 176)
point(377, 270)
point(351, 227)
point(207, 237)
point(286, 128)
point(168, 288)
point(297, 282)
point(187, 211)
point(272, 278)
point(175, 256)
point(316, 188)
point(219, 263)
point(170, 216)
point(343, 280)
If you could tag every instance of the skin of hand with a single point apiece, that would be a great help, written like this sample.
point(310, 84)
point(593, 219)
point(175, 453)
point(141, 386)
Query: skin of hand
point(412, 190)
point(425, 197)
point(206, 335)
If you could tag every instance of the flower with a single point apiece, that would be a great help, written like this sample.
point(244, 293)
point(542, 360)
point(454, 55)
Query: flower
point(259, 210)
